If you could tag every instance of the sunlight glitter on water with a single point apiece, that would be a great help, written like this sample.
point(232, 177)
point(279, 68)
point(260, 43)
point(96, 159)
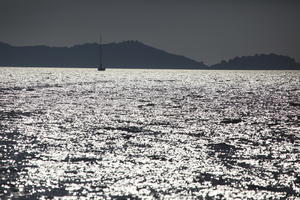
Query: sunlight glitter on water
point(173, 134)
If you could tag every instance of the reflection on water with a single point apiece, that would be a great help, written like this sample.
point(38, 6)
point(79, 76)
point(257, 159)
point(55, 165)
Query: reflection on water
point(149, 134)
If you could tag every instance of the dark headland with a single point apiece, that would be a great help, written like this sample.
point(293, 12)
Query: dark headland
point(130, 54)
point(259, 62)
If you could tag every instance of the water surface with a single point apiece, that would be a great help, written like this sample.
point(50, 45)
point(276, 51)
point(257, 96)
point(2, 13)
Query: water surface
point(149, 134)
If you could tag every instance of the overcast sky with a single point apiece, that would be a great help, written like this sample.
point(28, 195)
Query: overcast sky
point(205, 30)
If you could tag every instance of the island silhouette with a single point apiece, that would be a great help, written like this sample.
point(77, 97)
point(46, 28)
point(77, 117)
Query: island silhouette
point(259, 62)
point(130, 54)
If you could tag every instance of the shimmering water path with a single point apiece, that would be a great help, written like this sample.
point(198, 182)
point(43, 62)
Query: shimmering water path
point(149, 134)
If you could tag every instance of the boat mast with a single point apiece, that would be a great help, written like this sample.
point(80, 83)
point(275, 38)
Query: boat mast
point(100, 52)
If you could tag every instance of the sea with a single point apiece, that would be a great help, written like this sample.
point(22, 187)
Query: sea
point(70, 133)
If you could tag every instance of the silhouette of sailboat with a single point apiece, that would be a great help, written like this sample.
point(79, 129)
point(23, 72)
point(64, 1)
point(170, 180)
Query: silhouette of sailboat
point(100, 67)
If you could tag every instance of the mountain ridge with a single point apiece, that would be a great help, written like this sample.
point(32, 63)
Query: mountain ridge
point(130, 54)
point(126, 54)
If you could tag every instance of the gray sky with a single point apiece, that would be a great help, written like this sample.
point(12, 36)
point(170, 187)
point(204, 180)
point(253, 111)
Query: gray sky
point(205, 30)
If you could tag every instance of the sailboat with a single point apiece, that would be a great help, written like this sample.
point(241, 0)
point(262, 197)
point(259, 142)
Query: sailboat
point(100, 67)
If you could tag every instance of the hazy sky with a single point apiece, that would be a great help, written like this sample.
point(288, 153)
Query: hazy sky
point(205, 30)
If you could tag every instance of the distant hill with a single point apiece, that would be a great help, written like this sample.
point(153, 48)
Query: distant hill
point(128, 54)
point(259, 62)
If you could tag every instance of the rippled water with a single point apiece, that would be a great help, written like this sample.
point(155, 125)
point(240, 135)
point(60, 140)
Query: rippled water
point(149, 134)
